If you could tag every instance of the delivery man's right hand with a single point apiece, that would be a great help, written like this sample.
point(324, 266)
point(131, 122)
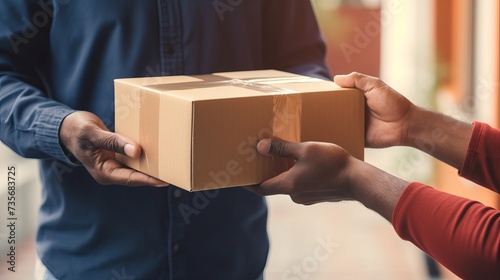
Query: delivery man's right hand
point(85, 136)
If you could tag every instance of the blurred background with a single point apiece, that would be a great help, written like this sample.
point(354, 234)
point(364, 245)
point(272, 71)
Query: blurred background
point(441, 54)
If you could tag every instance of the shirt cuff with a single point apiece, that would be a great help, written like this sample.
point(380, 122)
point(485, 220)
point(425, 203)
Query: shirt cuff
point(466, 168)
point(47, 134)
point(398, 215)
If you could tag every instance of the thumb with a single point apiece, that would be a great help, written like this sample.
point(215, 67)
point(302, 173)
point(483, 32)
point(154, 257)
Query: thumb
point(356, 80)
point(347, 81)
point(114, 142)
point(278, 148)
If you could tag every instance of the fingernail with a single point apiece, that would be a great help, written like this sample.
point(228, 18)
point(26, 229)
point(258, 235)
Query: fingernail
point(261, 146)
point(129, 150)
point(162, 184)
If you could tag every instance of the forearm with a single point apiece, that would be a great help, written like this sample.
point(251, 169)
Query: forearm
point(440, 136)
point(453, 230)
point(29, 122)
point(374, 188)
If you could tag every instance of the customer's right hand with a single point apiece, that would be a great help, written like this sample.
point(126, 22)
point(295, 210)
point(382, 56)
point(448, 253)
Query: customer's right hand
point(392, 120)
point(87, 138)
point(388, 112)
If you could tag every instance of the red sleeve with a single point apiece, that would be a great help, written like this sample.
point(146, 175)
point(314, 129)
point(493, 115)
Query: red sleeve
point(482, 162)
point(461, 234)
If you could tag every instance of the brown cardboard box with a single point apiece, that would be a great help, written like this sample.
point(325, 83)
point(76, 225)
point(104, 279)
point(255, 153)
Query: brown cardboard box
point(200, 132)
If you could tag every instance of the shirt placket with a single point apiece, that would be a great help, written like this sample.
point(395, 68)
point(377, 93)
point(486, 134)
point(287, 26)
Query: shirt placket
point(171, 37)
point(171, 63)
point(177, 234)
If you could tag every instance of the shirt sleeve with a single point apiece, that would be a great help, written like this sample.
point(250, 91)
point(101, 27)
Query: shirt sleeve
point(292, 39)
point(461, 234)
point(482, 161)
point(29, 119)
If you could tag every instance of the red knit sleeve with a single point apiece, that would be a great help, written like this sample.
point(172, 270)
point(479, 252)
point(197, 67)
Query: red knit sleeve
point(482, 162)
point(461, 234)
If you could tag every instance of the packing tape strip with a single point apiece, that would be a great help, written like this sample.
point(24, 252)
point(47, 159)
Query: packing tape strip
point(149, 132)
point(287, 117)
point(209, 81)
point(287, 108)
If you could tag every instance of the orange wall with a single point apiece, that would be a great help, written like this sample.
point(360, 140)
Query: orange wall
point(454, 51)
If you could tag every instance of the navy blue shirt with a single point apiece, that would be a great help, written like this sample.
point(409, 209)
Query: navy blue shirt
point(58, 56)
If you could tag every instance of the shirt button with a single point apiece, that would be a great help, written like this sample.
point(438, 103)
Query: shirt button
point(177, 193)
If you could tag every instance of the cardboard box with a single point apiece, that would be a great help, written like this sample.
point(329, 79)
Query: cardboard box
point(200, 132)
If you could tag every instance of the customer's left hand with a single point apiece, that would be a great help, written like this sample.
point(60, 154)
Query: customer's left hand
point(321, 172)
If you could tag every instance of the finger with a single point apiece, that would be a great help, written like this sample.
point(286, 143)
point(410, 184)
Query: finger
point(279, 184)
point(117, 174)
point(278, 148)
point(134, 178)
point(308, 198)
point(114, 142)
point(355, 80)
point(263, 146)
point(344, 80)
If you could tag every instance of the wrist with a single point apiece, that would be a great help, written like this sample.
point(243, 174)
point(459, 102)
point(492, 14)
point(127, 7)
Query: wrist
point(439, 135)
point(418, 126)
point(376, 189)
point(65, 131)
point(354, 183)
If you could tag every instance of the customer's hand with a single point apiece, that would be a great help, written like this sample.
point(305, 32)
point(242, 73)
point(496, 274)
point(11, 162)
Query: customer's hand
point(327, 173)
point(388, 113)
point(392, 120)
point(87, 138)
point(320, 173)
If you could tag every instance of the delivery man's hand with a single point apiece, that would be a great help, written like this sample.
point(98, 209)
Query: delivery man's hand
point(320, 173)
point(87, 138)
point(388, 113)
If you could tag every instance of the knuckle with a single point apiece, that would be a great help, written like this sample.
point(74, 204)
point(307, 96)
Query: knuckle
point(84, 136)
point(108, 143)
point(311, 149)
point(278, 148)
point(129, 181)
point(356, 75)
